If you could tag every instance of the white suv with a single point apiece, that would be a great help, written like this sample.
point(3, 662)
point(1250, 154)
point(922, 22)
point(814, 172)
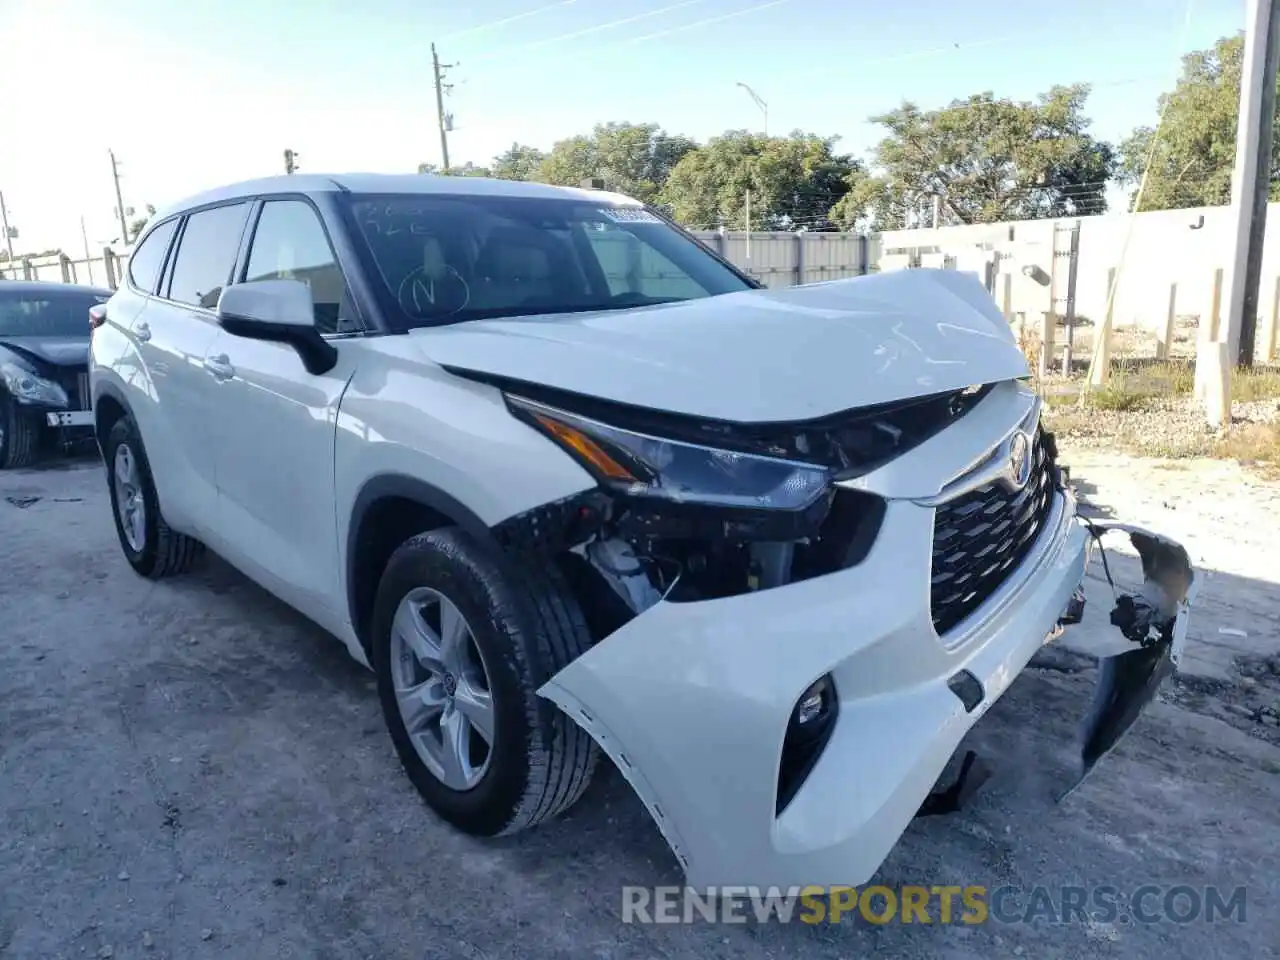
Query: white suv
point(570, 483)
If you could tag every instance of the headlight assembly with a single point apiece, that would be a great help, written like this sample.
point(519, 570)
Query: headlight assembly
point(672, 470)
point(25, 387)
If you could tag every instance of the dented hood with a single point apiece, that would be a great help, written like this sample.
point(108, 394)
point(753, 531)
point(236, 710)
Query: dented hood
point(760, 355)
point(58, 351)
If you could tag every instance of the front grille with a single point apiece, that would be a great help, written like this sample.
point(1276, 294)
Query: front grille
point(82, 392)
point(980, 538)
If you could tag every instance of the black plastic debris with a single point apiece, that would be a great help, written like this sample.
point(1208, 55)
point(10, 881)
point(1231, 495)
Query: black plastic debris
point(1128, 683)
point(973, 774)
point(23, 502)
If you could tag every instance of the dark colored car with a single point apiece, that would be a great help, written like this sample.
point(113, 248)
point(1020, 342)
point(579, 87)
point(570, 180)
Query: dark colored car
point(44, 367)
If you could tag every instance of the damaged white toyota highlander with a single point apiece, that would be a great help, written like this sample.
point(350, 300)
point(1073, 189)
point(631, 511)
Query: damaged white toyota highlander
point(571, 484)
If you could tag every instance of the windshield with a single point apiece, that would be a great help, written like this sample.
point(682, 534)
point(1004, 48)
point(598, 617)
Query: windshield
point(57, 313)
point(447, 259)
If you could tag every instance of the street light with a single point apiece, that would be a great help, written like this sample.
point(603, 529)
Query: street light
point(764, 107)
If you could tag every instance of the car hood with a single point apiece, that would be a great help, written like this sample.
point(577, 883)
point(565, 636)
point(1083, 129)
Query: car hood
point(58, 351)
point(760, 355)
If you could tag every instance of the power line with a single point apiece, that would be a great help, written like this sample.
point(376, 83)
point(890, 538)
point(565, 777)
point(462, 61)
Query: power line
point(755, 8)
point(587, 31)
point(507, 21)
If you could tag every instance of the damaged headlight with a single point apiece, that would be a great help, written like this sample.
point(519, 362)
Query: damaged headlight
point(25, 387)
point(673, 470)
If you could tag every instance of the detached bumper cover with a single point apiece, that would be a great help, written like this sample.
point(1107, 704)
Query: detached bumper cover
point(691, 701)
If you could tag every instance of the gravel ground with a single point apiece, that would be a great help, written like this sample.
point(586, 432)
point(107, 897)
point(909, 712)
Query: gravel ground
point(1166, 427)
point(190, 770)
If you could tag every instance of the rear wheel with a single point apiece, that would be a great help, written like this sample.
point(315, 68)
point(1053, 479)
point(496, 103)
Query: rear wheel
point(461, 645)
point(153, 548)
point(19, 435)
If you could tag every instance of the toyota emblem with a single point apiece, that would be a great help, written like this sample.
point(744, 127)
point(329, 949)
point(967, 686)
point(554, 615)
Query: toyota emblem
point(1019, 460)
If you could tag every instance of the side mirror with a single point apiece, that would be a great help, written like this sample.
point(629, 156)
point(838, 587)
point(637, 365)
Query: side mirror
point(281, 311)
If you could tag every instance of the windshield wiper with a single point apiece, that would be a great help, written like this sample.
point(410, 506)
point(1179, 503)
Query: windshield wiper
point(501, 313)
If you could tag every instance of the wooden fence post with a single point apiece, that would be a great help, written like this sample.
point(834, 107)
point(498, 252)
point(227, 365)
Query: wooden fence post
point(1270, 328)
point(1048, 327)
point(1102, 350)
point(1004, 283)
point(1207, 333)
point(1164, 340)
point(1215, 360)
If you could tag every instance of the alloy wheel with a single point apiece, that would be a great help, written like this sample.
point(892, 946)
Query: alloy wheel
point(131, 507)
point(442, 688)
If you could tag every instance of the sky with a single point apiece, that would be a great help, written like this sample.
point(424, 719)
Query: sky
point(196, 94)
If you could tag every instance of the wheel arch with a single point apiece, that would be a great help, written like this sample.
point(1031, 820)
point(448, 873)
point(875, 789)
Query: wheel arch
point(109, 406)
point(388, 510)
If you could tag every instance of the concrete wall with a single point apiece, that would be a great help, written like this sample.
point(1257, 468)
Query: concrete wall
point(1150, 250)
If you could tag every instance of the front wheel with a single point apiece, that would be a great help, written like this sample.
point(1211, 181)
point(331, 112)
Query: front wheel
point(461, 645)
point(152, 547)
point(19, 435)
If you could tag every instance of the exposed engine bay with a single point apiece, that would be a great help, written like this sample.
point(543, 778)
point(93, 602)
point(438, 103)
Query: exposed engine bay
point(648, 548)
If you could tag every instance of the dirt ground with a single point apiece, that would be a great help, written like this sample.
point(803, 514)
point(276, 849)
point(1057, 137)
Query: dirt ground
point(190, 770)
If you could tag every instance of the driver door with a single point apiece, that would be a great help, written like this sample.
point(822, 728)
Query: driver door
point(276, 423)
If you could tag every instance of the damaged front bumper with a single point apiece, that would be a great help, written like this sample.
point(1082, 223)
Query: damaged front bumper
point(692, 701)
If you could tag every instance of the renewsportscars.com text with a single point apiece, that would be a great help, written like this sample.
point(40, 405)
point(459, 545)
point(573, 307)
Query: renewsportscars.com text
point(968, 905)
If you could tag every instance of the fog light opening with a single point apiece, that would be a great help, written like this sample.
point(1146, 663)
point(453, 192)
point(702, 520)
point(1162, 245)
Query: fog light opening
point(808, 730)
point(814, 704)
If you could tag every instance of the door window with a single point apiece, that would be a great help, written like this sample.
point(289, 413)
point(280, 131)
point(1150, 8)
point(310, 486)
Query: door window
point(207, 254)
point(145, 261)
point(290, 244)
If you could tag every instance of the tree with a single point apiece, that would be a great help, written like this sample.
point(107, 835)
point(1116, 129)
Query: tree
point(1196, 152)
point(135, 227)
point(793, 182)
point(986, 159)
point(518, 163)
point(468, 169)
point(631, 158)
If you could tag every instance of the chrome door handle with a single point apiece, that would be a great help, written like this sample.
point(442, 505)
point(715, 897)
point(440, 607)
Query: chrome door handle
point(220, 366)
point(142, 332)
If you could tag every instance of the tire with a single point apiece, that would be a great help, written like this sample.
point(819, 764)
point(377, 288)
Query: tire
point(525, 627)
point(19, 436)
point(162, 551)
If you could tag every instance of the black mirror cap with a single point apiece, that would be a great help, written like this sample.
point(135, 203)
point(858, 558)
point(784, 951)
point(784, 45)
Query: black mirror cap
point(318, 355)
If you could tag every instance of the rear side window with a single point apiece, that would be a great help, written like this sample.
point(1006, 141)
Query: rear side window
point(206, 254)
point(145, 262)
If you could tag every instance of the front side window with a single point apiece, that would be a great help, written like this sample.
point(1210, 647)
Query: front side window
point(449, 259)
point(55, 314)
point(148, 258)
point(289, 243)
point(206, 255)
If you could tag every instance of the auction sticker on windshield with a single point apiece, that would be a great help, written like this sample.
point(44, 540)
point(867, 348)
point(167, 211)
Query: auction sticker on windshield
point(628, 215)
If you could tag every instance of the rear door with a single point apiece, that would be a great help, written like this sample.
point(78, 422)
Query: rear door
point(276, 423)
point(173, 335)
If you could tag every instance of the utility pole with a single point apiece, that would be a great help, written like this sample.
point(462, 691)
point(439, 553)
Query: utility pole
point(748, 218)
point(444, 120)
point(88, 258)
point(115, 176)
point(1250, 179)
point(4, 224)
point(290, 162)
